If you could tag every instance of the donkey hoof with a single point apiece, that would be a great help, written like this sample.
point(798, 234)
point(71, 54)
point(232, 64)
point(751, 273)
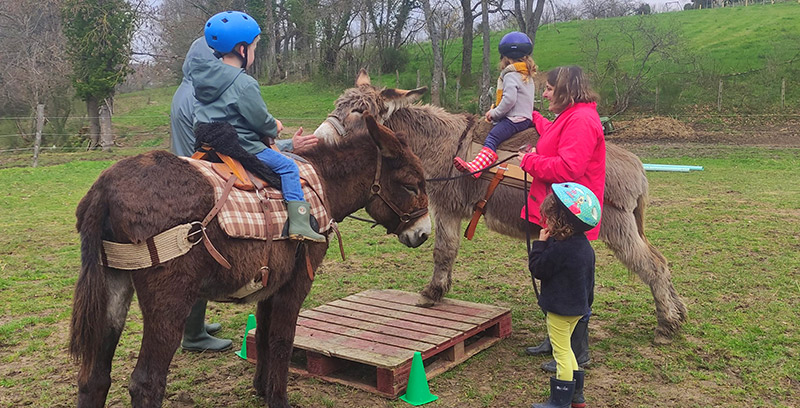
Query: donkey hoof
point(662, 339)
point(422, 301)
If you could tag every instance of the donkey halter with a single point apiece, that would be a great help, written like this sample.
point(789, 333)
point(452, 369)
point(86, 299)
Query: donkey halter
point(377, 191)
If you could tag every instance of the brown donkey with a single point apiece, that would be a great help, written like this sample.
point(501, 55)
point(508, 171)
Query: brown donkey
point(437, 134)
point(142, 196)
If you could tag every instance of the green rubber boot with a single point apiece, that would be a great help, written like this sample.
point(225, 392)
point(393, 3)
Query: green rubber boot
point(299, 222)
point(195, 336)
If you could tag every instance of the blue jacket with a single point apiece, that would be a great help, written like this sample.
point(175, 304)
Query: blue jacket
point(566, 269)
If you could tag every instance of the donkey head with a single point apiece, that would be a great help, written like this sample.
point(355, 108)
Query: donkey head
point(398, 200)
point(365, 97)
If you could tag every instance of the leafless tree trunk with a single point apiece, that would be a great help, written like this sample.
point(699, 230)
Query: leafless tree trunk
point(485, 99)
point(528, 18)
point(106, 134)
point(433, 31)
point(466, 42)
point(93, 112)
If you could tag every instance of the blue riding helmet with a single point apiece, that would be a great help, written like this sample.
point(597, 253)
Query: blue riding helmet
point(227, 29)
point(515, 45)
point(580, 201)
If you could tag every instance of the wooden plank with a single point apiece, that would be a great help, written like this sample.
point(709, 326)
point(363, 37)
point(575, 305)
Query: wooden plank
point(374, 327)
point(447, 305)
point(362, 351)
point(399, 341)
point(411, 317)
point(439, 314)
point(387, 321)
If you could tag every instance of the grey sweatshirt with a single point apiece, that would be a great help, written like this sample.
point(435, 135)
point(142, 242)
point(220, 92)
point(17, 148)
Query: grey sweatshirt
point(517, 101)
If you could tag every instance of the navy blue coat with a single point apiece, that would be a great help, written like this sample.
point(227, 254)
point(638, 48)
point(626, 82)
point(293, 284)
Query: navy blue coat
point(566, 269)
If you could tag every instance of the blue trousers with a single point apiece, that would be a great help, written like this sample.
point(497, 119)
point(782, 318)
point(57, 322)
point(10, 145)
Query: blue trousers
point(503, 130)
point(288, 172)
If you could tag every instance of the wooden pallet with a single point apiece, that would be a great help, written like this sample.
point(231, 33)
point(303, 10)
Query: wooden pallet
point(368, 340)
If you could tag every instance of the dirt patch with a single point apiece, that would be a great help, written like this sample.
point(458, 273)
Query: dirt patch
point(658, 128)
point(756, 130)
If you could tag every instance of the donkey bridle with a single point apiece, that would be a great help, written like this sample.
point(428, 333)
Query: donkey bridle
point(376, 190)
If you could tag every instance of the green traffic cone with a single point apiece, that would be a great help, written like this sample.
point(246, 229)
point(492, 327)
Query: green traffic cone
point(417, 391)
point(251, 324)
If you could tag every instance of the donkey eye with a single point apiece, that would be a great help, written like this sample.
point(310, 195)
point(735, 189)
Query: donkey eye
point(411, 189)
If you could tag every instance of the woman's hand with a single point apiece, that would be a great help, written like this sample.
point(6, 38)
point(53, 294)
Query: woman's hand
point(521, 154)
point(301, 142)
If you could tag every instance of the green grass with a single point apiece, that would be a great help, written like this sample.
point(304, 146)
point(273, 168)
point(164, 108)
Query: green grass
point(729, 233)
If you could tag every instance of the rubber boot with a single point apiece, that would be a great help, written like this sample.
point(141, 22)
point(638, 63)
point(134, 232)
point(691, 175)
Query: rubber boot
point(485, 158)
point(299, 222)
point(212, 328)
point(578, 401)
point(580, 346)
point(560, 394)
point(195, 336)
point(544, 348)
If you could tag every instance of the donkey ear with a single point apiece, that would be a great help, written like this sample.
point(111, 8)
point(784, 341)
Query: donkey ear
point(384, 137)
point(402, 96)
point(363, 78)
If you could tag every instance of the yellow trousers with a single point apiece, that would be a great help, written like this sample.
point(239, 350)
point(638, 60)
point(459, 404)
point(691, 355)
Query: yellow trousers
point(560, 328)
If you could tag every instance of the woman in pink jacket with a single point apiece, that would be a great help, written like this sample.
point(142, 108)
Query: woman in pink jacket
point(570, 148)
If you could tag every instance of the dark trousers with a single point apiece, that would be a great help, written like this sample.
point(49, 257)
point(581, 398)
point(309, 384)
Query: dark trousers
point(503, 130)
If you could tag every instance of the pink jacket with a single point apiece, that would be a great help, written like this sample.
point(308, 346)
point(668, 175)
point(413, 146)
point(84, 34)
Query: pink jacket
point(571, 148)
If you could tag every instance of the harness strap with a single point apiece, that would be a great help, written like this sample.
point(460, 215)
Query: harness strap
point(262, 198)
point(211, 214)
point(480, 206)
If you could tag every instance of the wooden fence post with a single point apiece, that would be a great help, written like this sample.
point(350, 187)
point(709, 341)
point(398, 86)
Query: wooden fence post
point(39, 125)
point(458, 89)
point(417, 78)
point(396, 79)
point(783, 93)
point(719, 97)
point(656, 99)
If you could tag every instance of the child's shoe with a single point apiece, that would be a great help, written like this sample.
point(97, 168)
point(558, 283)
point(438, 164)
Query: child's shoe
point(299, 222)
point(484, 159)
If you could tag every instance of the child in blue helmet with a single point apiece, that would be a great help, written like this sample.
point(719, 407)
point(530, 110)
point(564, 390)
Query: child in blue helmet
point(225, 93)
point(514, 105)
point(564, 261)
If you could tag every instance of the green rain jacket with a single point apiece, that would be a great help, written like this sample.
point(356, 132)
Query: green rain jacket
point(227, 94)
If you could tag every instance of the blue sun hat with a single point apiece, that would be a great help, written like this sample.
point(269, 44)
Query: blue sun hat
point(580, 201)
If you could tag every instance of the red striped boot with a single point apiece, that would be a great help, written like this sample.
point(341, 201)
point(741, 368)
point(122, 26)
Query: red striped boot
point(484, 159)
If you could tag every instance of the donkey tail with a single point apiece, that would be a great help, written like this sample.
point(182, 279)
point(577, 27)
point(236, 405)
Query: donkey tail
point(89, 308)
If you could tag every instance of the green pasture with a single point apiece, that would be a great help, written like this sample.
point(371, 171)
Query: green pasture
point(730, 233)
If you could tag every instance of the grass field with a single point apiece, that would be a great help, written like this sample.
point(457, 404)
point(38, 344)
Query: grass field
point(729, 232)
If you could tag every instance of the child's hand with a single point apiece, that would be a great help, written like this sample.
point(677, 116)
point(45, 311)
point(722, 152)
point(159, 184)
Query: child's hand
point(280, 125)
point(488, 115)
point(544, 233)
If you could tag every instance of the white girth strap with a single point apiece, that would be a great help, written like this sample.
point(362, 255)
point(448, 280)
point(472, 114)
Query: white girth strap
point(160, 248)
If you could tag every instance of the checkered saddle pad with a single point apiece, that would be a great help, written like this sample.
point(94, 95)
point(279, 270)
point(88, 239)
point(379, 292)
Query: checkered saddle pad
point(242, 215)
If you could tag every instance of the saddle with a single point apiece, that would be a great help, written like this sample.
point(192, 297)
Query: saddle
point(252, 204)
point(508, 173)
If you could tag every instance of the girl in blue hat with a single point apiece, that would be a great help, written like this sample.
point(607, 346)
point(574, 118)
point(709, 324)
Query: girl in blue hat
point(563, 260)
point(513, 108)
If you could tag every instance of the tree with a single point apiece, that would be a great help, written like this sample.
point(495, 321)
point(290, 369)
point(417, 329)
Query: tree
point(485, 99)
point(99, 34)
point(529, 18)
point(432, 24)
point(34, 68)
point(626, 65)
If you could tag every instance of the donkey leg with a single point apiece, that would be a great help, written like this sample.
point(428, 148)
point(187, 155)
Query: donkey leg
point(263, 313)
point(165, 304)
point(94, 382)
point(620, 233)
point(286, 303)
point(445, 250)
